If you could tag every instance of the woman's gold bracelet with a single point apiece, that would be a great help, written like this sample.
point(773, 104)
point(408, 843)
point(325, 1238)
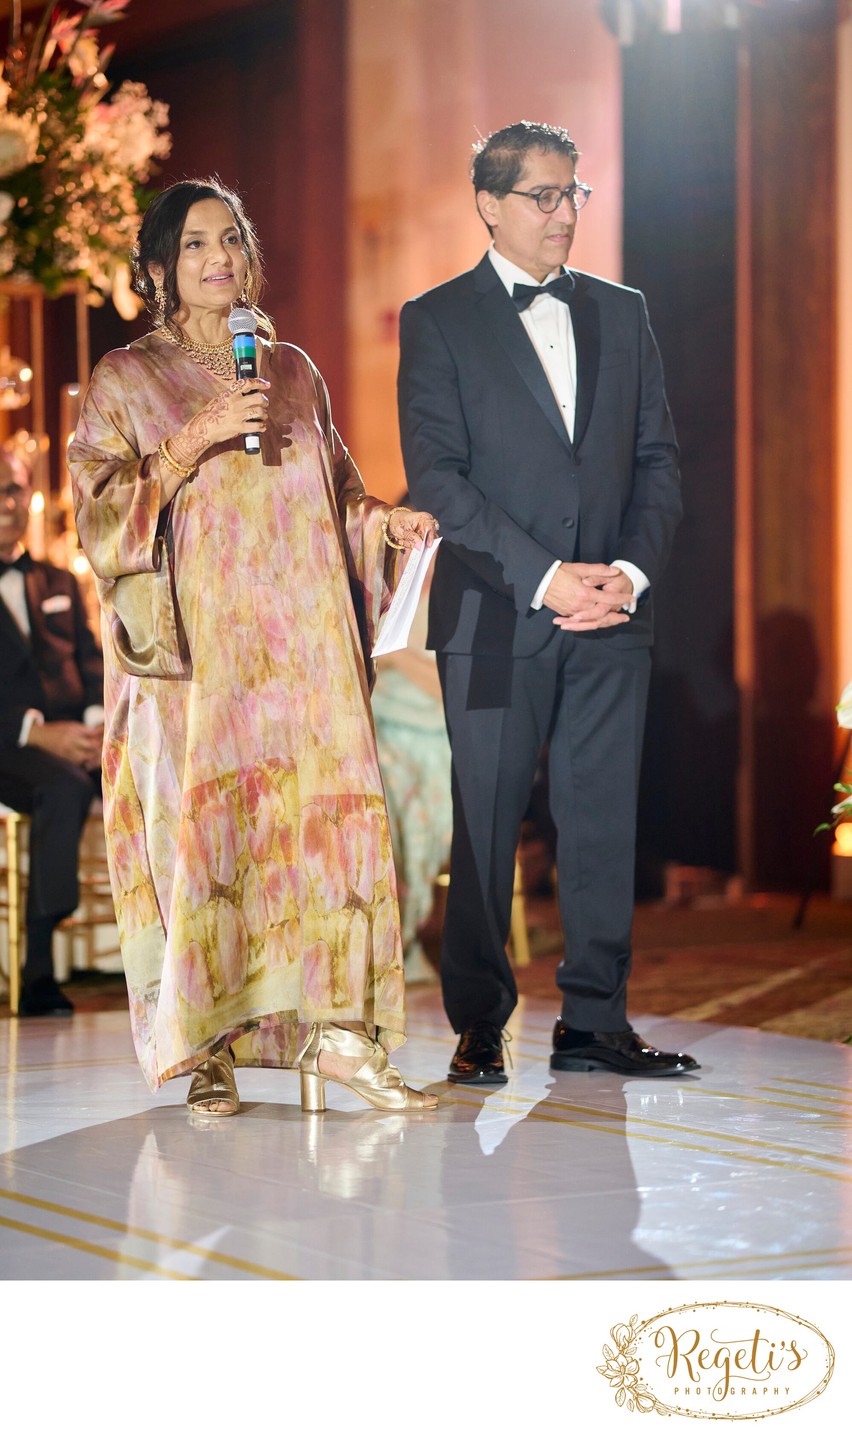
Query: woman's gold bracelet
point(400, 509)
point(168, 459)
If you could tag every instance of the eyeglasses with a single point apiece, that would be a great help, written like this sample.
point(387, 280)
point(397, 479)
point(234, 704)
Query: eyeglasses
point(550, 200)
point(18, 492)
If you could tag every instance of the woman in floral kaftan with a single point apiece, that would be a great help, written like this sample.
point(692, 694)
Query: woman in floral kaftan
point(248, 840)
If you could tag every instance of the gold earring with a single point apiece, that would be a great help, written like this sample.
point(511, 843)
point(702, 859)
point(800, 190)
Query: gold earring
point(160, 303)
point(244, 302)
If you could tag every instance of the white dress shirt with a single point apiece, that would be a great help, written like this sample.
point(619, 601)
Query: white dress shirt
point(547, 321)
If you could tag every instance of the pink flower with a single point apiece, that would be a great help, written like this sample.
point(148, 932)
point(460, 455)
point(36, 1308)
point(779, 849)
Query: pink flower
point(288, 843)
point(254, 903)
point(281, 508)
point(192, 873)
point(192, 978)
point(278, 946)
point(387, 945)
point(276, 626)
point(323, 860)
point(123, 862)
point(320, 716)
point(259, 800)
point(222, 733)
point(317, 975)
point(232, 947)
point(232, 520)
point(219, 838)
point(357, 849)
point(358, 953)
point(276, 892)
point(111, 761)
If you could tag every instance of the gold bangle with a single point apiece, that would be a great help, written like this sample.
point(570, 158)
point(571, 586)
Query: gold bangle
point(400, 509)
point(168, 459)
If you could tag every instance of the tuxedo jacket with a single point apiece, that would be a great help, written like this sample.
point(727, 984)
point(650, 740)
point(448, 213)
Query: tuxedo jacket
point(59, 670)
point(486, 451)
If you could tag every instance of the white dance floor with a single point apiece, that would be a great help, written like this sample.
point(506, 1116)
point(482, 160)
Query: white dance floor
point(742, 1169)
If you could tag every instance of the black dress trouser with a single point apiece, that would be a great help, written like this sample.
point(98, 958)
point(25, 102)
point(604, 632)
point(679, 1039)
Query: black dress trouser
point(588, 699)
point(56, 795)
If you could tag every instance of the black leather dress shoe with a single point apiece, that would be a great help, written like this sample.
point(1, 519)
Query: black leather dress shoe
point(623, 1053)
point(479, 1056)
point(43, 997)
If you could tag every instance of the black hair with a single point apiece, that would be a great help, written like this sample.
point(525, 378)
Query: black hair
point(158, 243)
point(498, 161)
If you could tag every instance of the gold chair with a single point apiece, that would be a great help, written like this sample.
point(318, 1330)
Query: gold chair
point(519, 936)
point(10, 903)
point(81, 930)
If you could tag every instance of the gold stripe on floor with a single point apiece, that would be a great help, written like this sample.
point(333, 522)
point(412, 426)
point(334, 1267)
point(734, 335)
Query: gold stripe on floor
point(673, 1143)
point(701, 1266)
point(816, 1155)
point(244, 1265)
point(93, 1248)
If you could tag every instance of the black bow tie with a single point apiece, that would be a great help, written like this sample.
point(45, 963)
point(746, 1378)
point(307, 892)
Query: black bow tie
point(23, 563)
point(562, 288)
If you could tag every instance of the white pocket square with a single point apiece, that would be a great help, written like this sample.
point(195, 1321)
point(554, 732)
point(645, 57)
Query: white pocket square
point(55, 603)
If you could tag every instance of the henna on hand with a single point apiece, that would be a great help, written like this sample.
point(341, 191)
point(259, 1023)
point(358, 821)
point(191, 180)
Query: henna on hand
point(198, 435)
point(240, 409)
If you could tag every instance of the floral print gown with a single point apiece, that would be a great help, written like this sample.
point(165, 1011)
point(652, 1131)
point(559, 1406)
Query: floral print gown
point(248, 840)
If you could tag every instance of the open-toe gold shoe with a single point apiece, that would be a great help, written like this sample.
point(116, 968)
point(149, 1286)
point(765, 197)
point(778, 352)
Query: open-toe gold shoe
point(376, 1080)
point(213, 1082)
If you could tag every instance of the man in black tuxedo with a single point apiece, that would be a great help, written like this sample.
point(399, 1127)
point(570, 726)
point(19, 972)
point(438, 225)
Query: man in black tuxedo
point(51, 728)
point(535, 428)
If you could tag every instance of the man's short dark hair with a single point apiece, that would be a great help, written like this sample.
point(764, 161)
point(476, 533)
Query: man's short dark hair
point(498, 161)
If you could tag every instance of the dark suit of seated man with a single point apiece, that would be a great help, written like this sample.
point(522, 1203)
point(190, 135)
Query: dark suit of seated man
point(51, 728)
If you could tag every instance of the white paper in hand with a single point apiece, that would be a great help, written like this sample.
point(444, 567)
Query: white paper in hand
point(394, 628)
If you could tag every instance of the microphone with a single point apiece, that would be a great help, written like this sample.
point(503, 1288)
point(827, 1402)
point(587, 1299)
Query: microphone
point(243, 327)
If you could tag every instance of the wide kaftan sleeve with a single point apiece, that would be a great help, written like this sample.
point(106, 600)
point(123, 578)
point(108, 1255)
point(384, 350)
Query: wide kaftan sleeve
point(375, 568)
point(124, 534)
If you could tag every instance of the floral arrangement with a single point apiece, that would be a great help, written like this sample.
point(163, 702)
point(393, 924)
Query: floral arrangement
point(73, 163)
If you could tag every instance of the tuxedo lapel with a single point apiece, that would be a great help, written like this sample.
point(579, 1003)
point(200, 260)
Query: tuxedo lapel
point(10, 629)
point(35, 583)
point(585, 317)
point(500, 314)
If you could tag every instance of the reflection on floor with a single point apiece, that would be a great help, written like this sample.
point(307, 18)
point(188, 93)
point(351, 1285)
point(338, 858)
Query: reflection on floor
point(741, 1169)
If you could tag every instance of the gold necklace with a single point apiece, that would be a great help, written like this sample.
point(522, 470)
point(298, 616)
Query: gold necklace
point(219, 359)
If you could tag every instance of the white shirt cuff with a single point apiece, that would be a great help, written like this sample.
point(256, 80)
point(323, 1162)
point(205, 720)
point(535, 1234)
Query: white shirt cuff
point(538, 598)
point(639, 581)
point(94, 716)
point(32, 716)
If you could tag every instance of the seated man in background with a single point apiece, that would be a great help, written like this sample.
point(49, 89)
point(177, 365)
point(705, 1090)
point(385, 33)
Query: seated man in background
point(51, 728)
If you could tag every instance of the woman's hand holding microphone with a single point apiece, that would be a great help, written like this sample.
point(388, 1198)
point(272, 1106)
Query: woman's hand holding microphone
point(240, 409)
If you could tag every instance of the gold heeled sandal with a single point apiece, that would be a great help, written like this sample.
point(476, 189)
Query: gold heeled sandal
point(376, 1080)
point(213, 1081)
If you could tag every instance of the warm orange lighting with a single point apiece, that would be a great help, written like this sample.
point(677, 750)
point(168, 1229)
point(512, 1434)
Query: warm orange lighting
point(843, 840)
point(37, 503)
point(26, 374)
point(80, 565)
point(70, 437)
